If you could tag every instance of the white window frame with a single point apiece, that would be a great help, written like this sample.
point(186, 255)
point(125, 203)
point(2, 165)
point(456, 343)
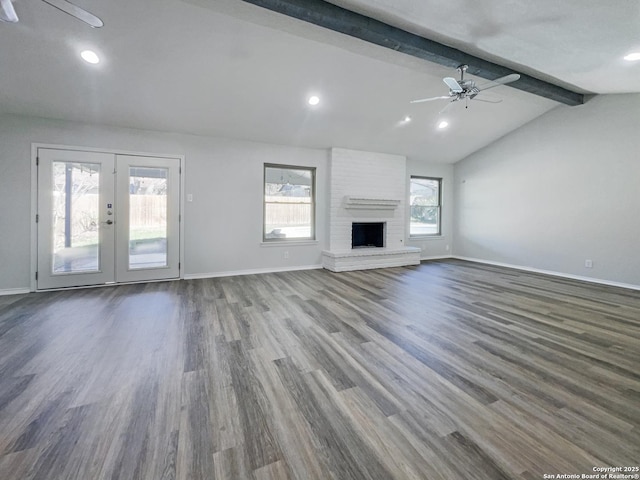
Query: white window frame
point(312, 237)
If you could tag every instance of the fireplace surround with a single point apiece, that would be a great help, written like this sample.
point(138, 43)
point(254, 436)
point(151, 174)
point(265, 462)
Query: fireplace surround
point(367, 188)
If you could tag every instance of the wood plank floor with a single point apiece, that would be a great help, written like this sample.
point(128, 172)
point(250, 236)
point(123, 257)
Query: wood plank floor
point(448, 370)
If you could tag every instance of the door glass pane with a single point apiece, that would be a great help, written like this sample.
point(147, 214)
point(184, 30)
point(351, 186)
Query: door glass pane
point(75, 220)
point(147, 217)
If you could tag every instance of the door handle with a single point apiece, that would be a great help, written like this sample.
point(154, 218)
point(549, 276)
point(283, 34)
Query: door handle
point(109, 222)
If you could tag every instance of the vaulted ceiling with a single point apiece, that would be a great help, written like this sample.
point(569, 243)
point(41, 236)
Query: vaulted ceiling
point(229, 68)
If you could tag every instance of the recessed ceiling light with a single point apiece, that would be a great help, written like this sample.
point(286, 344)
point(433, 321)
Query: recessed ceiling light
point(443, 124)
point(407, 119)
point(632, 57)
point(90, 56)
point(314, 100)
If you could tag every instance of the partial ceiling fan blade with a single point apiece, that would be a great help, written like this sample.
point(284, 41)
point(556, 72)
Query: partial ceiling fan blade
point(430, 99)
point(7, 12)
point(487, 100)
point(453, 84)
point(446, 107)
point(77, 12)
point(500, 81)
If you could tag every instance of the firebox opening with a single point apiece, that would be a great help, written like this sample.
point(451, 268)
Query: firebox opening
point(367, 234)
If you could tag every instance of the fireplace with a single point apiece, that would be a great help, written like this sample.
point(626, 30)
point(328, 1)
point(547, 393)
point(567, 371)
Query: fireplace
point(367, 234)
point(367, 187)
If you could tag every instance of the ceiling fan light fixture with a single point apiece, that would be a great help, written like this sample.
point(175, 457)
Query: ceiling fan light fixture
point(314, 100)
point(90, 56)
point(443, 124)
point(632, 57)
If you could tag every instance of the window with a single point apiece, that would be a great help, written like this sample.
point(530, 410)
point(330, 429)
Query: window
point(289, 203)
point(425, 201)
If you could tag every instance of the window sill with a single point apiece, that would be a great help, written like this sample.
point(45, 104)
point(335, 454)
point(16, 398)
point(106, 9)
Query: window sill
point(281, 243)
point(427, 237)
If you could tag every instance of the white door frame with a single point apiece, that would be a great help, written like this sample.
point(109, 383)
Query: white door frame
point(34, 197)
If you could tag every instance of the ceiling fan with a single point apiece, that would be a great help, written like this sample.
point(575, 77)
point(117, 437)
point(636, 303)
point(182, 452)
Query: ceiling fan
point(8, 13)
point(468, 90)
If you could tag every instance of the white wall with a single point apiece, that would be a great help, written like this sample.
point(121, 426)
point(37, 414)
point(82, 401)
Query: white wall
point(223, 224)
point(442, 245)
point(559, 190)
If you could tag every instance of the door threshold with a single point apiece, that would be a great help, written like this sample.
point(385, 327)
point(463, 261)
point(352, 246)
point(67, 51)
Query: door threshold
point(108, 284)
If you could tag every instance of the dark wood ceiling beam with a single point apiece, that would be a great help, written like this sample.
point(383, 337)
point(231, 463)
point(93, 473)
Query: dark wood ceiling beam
point(341, 20)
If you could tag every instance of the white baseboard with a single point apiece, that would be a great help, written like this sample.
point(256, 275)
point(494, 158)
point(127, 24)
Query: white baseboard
point(437, 257)
point(254, 271)
point(553, 273)
point(14, 291)
point(194, 276)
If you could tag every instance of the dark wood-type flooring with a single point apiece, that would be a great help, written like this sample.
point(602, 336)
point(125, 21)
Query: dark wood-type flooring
point(449, 370)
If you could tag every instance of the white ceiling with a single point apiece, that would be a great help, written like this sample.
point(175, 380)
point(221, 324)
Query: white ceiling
point(227, 68)
point(578, 44)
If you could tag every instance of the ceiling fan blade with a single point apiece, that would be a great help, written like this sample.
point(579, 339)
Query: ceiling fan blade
point(500, 81)
point(7, 12)
point(453, 84)
point(430, 99)
point(77, 12)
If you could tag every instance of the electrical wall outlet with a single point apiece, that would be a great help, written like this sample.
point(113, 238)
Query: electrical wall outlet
point(588, 263)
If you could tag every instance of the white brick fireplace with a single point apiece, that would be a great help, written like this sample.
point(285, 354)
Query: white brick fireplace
point(367, 187)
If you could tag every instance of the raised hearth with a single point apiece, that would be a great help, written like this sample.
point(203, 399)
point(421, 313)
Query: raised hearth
point(368, 258)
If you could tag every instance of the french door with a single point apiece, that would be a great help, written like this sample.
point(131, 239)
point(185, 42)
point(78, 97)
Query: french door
point(106, 218)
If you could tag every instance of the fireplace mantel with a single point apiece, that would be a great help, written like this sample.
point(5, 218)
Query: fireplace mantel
point(352, 202)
